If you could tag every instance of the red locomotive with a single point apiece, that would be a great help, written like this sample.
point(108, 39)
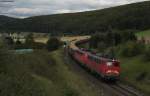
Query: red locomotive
point(108, 69)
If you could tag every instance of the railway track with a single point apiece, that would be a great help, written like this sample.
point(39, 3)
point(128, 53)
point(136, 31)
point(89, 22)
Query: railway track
point(125, 90)
point(118, 88)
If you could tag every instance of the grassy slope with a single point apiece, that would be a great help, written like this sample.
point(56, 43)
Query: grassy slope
point(41, 74)
point(132, 68)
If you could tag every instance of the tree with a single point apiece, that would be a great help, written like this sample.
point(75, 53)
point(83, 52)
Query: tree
point(53, 44)
point(9, 40)
point(18, 44)
point(128, 35)
point(132, 48)
point(29, 39)
point(97, 38)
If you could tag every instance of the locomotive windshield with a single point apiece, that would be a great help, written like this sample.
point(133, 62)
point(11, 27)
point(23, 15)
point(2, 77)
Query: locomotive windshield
point(104, 55)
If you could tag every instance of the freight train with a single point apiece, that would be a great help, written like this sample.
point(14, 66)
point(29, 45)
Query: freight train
point(106, 68)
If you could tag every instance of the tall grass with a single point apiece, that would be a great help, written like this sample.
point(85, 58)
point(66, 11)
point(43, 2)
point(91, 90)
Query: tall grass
point(41, 73)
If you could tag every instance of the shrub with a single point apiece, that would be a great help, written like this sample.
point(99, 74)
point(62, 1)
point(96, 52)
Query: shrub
point(29, 40)
point(132, 48)
point(128, 35)
point(101, 46)
point(147, 54)
point(141, 76)
point(9, 41)
point(53, 44)
point(37, 45)
point(111, 53)
point(100, 40)
point(70, 92)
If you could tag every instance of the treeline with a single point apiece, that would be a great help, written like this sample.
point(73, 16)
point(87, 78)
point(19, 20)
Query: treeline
point(115, 44)
point(111, 38)
point(132, 16)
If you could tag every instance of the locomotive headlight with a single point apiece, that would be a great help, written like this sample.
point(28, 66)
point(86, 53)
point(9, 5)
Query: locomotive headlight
point(109, 71)
point(116, 72)
point(109, 64)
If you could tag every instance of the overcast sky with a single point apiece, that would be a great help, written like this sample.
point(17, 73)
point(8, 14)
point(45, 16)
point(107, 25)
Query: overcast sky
point(26, 8)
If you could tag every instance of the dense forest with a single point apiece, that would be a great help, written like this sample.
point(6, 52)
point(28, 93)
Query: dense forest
point(5, 20)
point(127, 17)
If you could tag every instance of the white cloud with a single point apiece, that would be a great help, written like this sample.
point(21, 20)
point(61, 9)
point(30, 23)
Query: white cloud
point(25, 8)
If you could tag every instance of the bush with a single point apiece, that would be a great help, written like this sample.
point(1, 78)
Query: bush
point(101, 46)
point(147, 54)
point(9, 41)
point(53, 44)
point(132, 48)
point(111, 53)
point(100, 40)
point(128, 35)
point(70, 92)
point(29, 40)
point(141, 76)
point(37, 45)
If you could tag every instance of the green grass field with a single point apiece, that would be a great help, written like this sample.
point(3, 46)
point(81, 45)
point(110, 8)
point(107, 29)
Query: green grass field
point(143, 33)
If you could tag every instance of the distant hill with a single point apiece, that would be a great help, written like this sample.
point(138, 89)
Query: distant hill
point(6, 19)
point(132, 16)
